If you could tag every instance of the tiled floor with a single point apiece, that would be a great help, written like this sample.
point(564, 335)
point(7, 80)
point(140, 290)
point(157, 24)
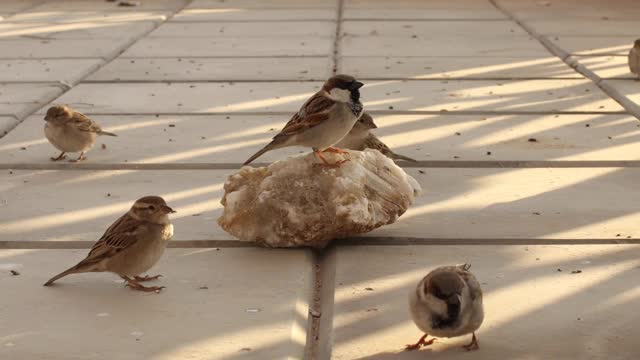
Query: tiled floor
point(528, 158)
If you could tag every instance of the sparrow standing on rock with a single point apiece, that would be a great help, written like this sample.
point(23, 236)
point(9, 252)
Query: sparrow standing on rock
point(360, 138)
point(634, 58)
point(323, 120)
point(71, 131)
point(131, 245)
point(447, 303)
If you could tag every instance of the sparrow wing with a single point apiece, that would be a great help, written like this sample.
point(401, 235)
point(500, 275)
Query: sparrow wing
point(119, 236)
point(313, 112)
point(372, 142)
point(83, 123)
point(634, 61)
point(473, 284)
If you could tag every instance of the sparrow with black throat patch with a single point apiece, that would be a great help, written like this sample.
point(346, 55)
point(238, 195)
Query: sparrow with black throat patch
point(447, 303)
point(322, 121)
point(131, 246)
point(360, 138)
point(71, 131)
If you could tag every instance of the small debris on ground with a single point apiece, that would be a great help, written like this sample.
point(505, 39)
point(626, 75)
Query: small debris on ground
point(103, 146)
point(23, 148)
point(586, 125)
point(172, 125)
point(458, 134)
point(14, 273)
point(203, 288)
point(532, 140)
point(198, 214)
point(129, 3)
point(488, 152)
point(576, 271)
point(390, 107)
point(456, 157)
point(559, 270)
point(315, 313)
point(245, 349)
point(369, 289)
point(421, 171)
point(536, 213)
point(253, 310)
point(372, 309)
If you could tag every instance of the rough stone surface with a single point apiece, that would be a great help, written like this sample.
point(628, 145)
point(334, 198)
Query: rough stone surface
point(67, 70)
point(296, 202)
point(20, 99)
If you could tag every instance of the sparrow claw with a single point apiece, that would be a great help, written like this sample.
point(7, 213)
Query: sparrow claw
point(473, 345)
point(420, 343)
point(335, 150)
point(62, 156)
point(135, 285)
point(146, 278)
point(79, 159)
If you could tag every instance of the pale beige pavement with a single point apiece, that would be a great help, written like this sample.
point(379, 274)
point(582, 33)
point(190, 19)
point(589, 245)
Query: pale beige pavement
point(522, 114)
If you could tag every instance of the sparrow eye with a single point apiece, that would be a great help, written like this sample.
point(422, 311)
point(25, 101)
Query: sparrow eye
point(152, 208)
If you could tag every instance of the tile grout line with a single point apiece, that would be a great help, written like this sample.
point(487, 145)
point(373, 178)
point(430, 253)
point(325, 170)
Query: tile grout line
point(630, 106)
point(321, 305)
point(104, 61)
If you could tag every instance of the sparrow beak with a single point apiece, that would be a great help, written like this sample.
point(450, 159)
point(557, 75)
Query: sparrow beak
point(356, 85)
point(373, 125)
point(168, 210)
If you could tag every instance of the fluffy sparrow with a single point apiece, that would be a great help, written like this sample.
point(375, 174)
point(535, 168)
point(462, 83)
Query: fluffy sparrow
point(71, 131)
point(131, 245)
point(634, 58)
point(447, 303)
point(360, 138)
point(323, 120)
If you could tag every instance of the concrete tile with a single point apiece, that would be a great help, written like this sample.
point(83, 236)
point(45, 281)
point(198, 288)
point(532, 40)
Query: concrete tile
point(13, 6)
point(486, 30)
point(6, 123)
point(484, 95)
point(198, 316)
point(74, 30)
point(235, 14)
point(393, 67)
point(595, 45)
point(579, 203)
point(628, 89)
point(522, 291)
point(63, 48)
point(156, 98)
point(418, 4)
point(212, 47)
point(68, 70)
point(260, 4)
point(215, 69)
point(81, 205)
point(63, 16)
point(233, 139)
point(583, 27)
point(448, 46)
point(572, 10)
point(422, 14)
point(607, 67)
point(20, 99)
point(259, 29)
point(105, 6)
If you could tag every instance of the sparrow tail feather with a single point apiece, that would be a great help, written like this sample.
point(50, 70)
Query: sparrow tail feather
point(271, 146)
point(402, 157)
point(73, 270)
point(106, 133)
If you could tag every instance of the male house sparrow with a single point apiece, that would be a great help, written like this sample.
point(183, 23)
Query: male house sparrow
point(323, 120)
point(360, 138)
point(634, 58)
point(71, 131)
point(447, 303)
point(131, 245)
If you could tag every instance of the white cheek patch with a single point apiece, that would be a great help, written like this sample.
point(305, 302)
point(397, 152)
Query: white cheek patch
point(340, 95)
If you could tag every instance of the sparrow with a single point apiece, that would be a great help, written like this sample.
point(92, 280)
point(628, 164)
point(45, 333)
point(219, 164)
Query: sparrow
point(634, 58)
point(360, 138)
point(131, 245)
point(71, 131)
point(322, 120)
point(447, 303)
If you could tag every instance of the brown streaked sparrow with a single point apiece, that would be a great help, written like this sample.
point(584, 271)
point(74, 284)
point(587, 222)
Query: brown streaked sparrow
point(360, 138)
point(131, 245)
point(323, 120)
point(71, 131)
point(634, 58)
point(447, 303)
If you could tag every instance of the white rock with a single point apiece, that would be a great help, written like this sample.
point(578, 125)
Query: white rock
point(298, 202)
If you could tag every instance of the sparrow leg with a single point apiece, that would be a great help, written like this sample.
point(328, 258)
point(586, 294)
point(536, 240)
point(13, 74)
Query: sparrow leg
point(137, 286)
point(146, 278)
point(420, 343)
point(335, 150)
point(60, 157)
point(80, 158)
point(473, 345)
